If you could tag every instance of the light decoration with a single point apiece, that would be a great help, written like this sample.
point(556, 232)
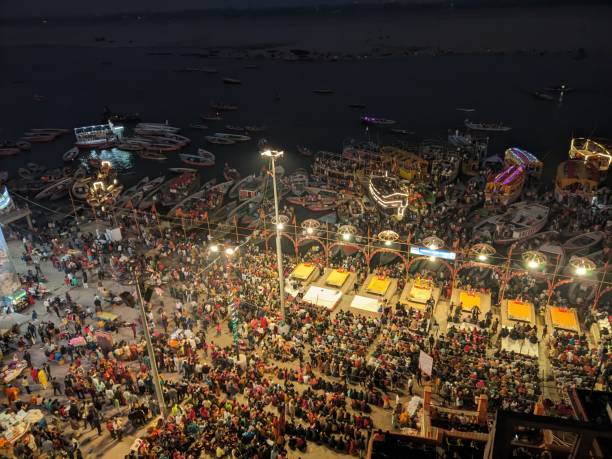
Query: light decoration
point(509, 175)
point(534, 259)
point(482, 251)
point(582, 265)
point(592, 152)
point(396, 200)
point(280, 221)
point(310, 226)
point(213, 248)
point(388, 237)
point(229, 251)
point(520, 157)
point(347, 232)
point(5, 199)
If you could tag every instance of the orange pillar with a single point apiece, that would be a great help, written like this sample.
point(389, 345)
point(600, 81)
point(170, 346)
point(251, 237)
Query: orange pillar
point(483, 406)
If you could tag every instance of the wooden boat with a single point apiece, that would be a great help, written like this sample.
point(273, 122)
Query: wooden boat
point(207, 198)
point(61, 187)
point(376, 121)
point(198, 126)
point(560, 88)
point(231, 81)
point(152, 155)
point(489, 127)
point(230, 174)
point(543, 96)
point(583, 244)
point(505, 187)
point(130, 146)
point(402, 131)
point(533, 166)
point(178, 188)
point(204, 158)
point(466, 110)
point(36, 168)
point(223, 107)
point(232, 137)
point(80, 188)
point(520, 221)
point(182, 170)
point(4, 176)
point(246, 186)
point(159, 127)
point(576, 178)
point(9, 151)
point(298, 182)
point(127, 194)
point(211, 117)
point(56, 131)
point(23, 145)
point(52, 176)
point(71, 154)
point(231, 127)
point(254, 129)
point(323, 91)
point(218, 140)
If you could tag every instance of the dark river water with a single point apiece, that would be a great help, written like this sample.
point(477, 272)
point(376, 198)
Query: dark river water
point(421, 93)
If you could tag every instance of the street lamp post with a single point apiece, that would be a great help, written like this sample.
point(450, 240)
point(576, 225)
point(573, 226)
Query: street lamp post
point(273, 155)
point(154, 374)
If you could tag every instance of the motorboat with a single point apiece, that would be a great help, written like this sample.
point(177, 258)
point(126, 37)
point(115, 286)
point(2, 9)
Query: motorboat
point(246, 187)
point(305, 151)
point(71, 154)
point(130, 146)
point(543, 96)
point(208, 198)
point(204, 158)
point(198, 126)
point(211, 117)
point(506, 186)
point(36, 168)
point(159, 127)
point(171, 192)
point(231, 127)
point(231, 81)
point(298, 182)
point(98, 136)
point(490, 127)
point(182, 170)
point(233, 137)
point(402, 131)
point(520, 221)
point(23, 145)
point(376, 121)
point(465, 110)
point(25, 173)
point(127, 194)
point(219, 140)
point(583, 244)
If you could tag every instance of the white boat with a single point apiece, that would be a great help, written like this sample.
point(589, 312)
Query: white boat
point(71, 154)
point(491, 127)
point(298, 181)
point(219, 140)
point(584, 244)
point(231, 127)
point(233, 137)
point(520, 221)
point(204, 158)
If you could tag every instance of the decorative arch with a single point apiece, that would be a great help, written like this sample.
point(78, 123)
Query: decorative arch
point(384, 250)
point(317, 239)
point(514, 274)
point(285, 235)
point(348, 244)
point(447, 265)
point(601, 294)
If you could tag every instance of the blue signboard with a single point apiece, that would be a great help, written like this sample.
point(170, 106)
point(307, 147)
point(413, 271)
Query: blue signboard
point(423, 252)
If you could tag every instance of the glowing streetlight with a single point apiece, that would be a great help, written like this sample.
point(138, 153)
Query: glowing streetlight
point(347, 232)
point(214, 248)
point(432, 243)
point(273, 155)
point(310, 226)
point(482, 251)
point(309, 231)
point(229, 251)
point(388, 237)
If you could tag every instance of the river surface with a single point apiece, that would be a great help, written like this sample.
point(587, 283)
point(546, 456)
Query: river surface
point(421, 93)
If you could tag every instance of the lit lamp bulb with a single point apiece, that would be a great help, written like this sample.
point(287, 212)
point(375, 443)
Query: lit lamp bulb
point(387, 242)
point(280, 226)
point(581, 270)
point(482, 257)
point(532, 264)
point(432, 258)
point(229, 251)
point(309, 231)
point(347, 236)
point(214, 248)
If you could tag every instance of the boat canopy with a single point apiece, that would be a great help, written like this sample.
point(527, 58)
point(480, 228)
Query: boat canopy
point(523, 158)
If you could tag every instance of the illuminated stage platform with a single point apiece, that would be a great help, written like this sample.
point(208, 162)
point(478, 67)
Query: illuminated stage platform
point(469, 300)
point(518, 312)
point(378, 288)
point(416, 294)
point(365, 304)
point(324, 297)
point(562, 319)
point(303, 271)
point(337, 278)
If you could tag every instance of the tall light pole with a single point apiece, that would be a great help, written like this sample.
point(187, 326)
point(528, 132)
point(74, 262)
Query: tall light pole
point(273, 155)
point(154, 374)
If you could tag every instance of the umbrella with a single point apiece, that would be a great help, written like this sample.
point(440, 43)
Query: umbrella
point(12, 319)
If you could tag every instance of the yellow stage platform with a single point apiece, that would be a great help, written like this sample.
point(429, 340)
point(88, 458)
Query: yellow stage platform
point(520, 310)
point(379, 285)
point(108, 316)
point(469, 300)
point(337, 278)
point(303, 271)
point(421, 291)
point(564, 318)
